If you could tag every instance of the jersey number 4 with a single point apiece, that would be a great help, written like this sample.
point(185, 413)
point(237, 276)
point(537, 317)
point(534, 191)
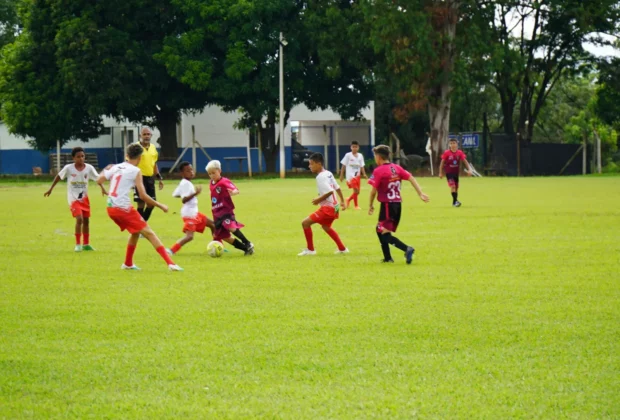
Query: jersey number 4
point(114, 185)
point(393, 190)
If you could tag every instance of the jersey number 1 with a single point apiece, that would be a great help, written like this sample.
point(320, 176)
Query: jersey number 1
point(115, 182)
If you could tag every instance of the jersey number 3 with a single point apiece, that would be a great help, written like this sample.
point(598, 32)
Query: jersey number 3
point(393, 190)
point(114, 185)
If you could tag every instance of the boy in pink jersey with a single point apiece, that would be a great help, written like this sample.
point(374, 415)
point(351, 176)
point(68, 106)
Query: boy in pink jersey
point(451, 163)
point(385, 181)
point(329, 207)
point(123, 178)
point(222, 190)
point(193, 220)
point(78, 174)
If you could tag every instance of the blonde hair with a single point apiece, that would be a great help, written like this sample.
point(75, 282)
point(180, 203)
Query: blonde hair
point(214, 164)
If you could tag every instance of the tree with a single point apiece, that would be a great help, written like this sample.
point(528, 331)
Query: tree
point(608, 94)
point(35, 101)
point(532, 45)
point(230, 51)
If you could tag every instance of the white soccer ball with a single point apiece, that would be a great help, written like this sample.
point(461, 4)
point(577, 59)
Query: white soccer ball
point(215, 249)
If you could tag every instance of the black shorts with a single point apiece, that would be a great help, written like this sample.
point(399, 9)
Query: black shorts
point(453, 179)
point(149, 187)
point(389, 216)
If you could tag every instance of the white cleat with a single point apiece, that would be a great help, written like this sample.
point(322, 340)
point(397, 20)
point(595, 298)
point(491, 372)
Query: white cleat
point(78, 248)
point(174, 267)
point(169, 251)
point(129, 267)
point(306, 252)
point(344, 251)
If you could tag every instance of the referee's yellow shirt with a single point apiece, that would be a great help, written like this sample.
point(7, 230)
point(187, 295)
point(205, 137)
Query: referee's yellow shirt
point(148, 160)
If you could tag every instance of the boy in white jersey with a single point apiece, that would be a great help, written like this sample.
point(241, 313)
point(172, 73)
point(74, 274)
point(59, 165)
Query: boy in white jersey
point(193, 220)
point(123, 178)
point(78, 173)
point(329, 207)
point(353, 162)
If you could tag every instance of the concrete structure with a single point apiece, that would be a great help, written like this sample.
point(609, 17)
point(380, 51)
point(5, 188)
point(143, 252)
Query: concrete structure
point(322, 131)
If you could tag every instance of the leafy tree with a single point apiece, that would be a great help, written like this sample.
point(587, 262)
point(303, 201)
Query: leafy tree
point(608, 95)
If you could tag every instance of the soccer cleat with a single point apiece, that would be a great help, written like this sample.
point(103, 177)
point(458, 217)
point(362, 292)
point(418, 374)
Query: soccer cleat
point(88, 248)
point(249, 250)
point(457, 204)
point(358, 208)
point(387, 261)
point(344, 251)
point(169, 251)
point(306, 252)
point(409, 254)
point(78, 248)
point(130, 267)
point(174, 267)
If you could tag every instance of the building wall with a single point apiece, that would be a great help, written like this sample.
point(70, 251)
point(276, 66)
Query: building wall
point(213, 129)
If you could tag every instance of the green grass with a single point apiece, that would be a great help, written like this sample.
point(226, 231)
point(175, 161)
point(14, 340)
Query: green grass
point(510, 310)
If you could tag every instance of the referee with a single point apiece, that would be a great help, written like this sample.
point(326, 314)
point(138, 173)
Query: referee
point(149, 169)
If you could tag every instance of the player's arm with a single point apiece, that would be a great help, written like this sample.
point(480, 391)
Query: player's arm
point(324, 197)
point(158, 175)
point(373, 195)
point(417, 188)
point(469, 167)
point(342, 168)
point(48, 192)
point(441, 168)
point(363, 172)
point(191, 196)
point(343, 203)
point(145, 197)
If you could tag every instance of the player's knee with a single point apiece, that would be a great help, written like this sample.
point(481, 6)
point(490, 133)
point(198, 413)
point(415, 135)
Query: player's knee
point(85, 220)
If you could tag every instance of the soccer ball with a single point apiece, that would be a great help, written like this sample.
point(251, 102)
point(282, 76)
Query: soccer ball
point(215, 249)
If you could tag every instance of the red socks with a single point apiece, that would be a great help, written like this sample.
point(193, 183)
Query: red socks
point(355, 200)
point(129, 255)
point(308, 234)
point(86, 238)
point(162, 251)
point(77, 238)
point(334, 235)
point(175, 248)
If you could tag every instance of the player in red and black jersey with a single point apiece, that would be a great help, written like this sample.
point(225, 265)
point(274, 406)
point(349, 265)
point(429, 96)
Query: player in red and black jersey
point(385, 181)
point(451, 164)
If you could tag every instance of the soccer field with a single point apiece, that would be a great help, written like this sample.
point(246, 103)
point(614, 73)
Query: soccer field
point(511, 308)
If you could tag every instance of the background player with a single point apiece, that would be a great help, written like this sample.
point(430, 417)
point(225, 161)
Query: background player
point(451, 161)
point(329, 207)
point(222, 190)
point(123, 177)
point(386, 180)
point(353, 162)
point(193, 220)
point(78, 173)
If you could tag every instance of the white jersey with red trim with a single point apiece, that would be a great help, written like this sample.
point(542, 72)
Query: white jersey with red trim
point(77, 181)
point(325, 183)
point(122, 179)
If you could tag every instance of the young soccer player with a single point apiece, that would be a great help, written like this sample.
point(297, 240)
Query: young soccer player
point(222, 190)
point(451, 161)
point(78, 173)
point(193, 220)
point(329, 207)
point(386, 180)
point(353, 162)
point(123, 177)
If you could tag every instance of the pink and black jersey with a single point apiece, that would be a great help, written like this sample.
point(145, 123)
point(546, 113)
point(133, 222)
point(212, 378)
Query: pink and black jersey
point(387, 179)
point(452, 161)
point(221, 201)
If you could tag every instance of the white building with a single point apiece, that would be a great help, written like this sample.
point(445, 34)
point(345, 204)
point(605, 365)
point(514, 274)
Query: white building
point(321, 131)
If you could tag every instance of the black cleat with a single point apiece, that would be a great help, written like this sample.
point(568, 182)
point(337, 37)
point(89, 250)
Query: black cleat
point(409, 254)
point(387, 261)
point(249, 250)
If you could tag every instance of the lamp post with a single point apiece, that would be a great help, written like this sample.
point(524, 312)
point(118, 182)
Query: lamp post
point(281, 127)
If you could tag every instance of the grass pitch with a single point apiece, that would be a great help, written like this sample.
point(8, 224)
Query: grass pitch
point(510, 309)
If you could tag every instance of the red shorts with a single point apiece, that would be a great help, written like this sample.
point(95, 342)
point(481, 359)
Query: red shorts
point(127, 219)
point(355, 182)
point(80, 208)
point(197, 223)
point(223, 226)
point(324, 216)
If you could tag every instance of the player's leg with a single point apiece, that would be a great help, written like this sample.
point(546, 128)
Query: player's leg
point(149, 186)
point(189, 236)
point(306, 225)
point(86, 233)
point(78, 232)
point(356, 193)
point(335, 237)
point(132, 243)
point(148, 233)
point(234, 242)
point(249, 246)
point(211, 225)
point(455, 194)
point(140, 205)
point(390, 228)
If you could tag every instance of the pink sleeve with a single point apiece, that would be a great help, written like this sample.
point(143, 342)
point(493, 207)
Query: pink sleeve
point(229, 184)
point(403, 173)
point(444, 155)
point(463, 155)
point(373, 180)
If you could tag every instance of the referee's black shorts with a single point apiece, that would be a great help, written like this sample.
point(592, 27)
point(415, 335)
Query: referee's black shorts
point(149, 187)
